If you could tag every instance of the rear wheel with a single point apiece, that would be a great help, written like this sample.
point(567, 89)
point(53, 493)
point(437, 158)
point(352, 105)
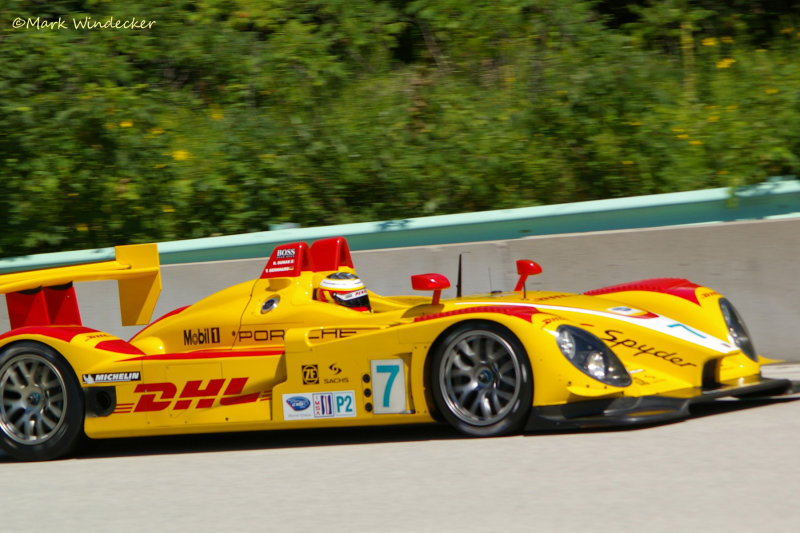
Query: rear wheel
point(481, 379)
point(41, 405)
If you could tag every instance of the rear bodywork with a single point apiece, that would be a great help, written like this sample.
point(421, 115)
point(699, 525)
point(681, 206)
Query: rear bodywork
point(265, 355)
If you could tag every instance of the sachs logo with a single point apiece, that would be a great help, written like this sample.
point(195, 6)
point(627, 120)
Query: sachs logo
point(298, 403)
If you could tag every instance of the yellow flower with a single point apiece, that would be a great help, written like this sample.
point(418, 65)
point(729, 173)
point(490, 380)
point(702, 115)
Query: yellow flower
point(713, 118)
point(726, 62)
point(771, 90)
point(683, 136)
point(727, 39)
point(168, 209)
point(181, 155)
point(627, 162)
point(126, 124)
point(82, 227)
point(709, 41)
point(216, 112)
point(695, 143)
point(676, 130)
point(156, 131)
point(787, 31)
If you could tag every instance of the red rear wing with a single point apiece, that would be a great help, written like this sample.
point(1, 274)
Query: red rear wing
point(46, 297)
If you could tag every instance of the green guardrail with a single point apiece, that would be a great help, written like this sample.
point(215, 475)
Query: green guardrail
point(775, 198)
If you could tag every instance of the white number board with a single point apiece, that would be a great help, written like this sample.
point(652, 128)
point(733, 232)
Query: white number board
point(388, 386)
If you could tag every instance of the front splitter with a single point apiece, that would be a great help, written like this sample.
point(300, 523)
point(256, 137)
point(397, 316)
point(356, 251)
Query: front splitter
point(645, 410)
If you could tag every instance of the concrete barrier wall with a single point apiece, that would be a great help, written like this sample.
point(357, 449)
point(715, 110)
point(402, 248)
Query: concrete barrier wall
point(754, 263)
point(777, 197)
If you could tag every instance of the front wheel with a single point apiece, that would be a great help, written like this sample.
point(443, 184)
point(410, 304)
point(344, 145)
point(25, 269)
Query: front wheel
point(41, 405)
point(481, 379)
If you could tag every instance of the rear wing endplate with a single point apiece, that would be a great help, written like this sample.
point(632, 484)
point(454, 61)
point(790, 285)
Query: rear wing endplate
point(47, 297)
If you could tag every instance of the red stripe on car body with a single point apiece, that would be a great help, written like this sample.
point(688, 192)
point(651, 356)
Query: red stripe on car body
point(205, 354)
point(159, 319)
point(118, 346)
point(680, 287)
point(62, 333)
point(524, 313)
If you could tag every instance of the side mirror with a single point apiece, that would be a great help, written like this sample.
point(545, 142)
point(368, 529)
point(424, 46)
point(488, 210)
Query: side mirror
point(430, 282)
point(525, 268)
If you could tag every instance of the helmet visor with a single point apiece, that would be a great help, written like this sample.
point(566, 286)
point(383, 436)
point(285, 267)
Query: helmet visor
point(358, 299)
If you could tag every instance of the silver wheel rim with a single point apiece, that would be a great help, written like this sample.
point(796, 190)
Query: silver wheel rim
point(33, 400)
point(481, 377)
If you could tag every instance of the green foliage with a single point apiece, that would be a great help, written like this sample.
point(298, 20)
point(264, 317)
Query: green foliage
point(226, 116)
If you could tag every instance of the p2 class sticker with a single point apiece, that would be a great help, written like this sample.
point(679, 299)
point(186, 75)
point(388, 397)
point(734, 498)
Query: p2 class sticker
point(317, 405)
point(389, 386)
point(341, 404)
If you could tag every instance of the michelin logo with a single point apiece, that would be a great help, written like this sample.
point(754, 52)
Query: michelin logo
point(119, 377)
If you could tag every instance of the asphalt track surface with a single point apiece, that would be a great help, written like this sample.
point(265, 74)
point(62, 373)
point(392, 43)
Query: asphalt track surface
point(733, 466)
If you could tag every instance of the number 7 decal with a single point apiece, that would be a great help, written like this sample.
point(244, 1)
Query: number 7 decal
point(388, 390)
point(393, 371)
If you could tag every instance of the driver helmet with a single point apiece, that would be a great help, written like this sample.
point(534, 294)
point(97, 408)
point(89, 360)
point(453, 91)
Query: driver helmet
point(345, 289)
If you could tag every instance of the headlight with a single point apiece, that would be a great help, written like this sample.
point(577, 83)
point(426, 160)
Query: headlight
point(737, 330)
point(591, 356)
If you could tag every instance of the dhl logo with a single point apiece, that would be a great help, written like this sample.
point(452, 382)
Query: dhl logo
point(161, 396)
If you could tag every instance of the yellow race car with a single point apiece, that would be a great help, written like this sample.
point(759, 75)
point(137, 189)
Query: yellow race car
point(307, 345)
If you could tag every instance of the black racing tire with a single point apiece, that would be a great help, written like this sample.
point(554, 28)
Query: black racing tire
point(481, 379)
point(41, 403)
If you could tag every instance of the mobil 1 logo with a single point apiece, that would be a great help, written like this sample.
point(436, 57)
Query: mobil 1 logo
point(200, 336)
